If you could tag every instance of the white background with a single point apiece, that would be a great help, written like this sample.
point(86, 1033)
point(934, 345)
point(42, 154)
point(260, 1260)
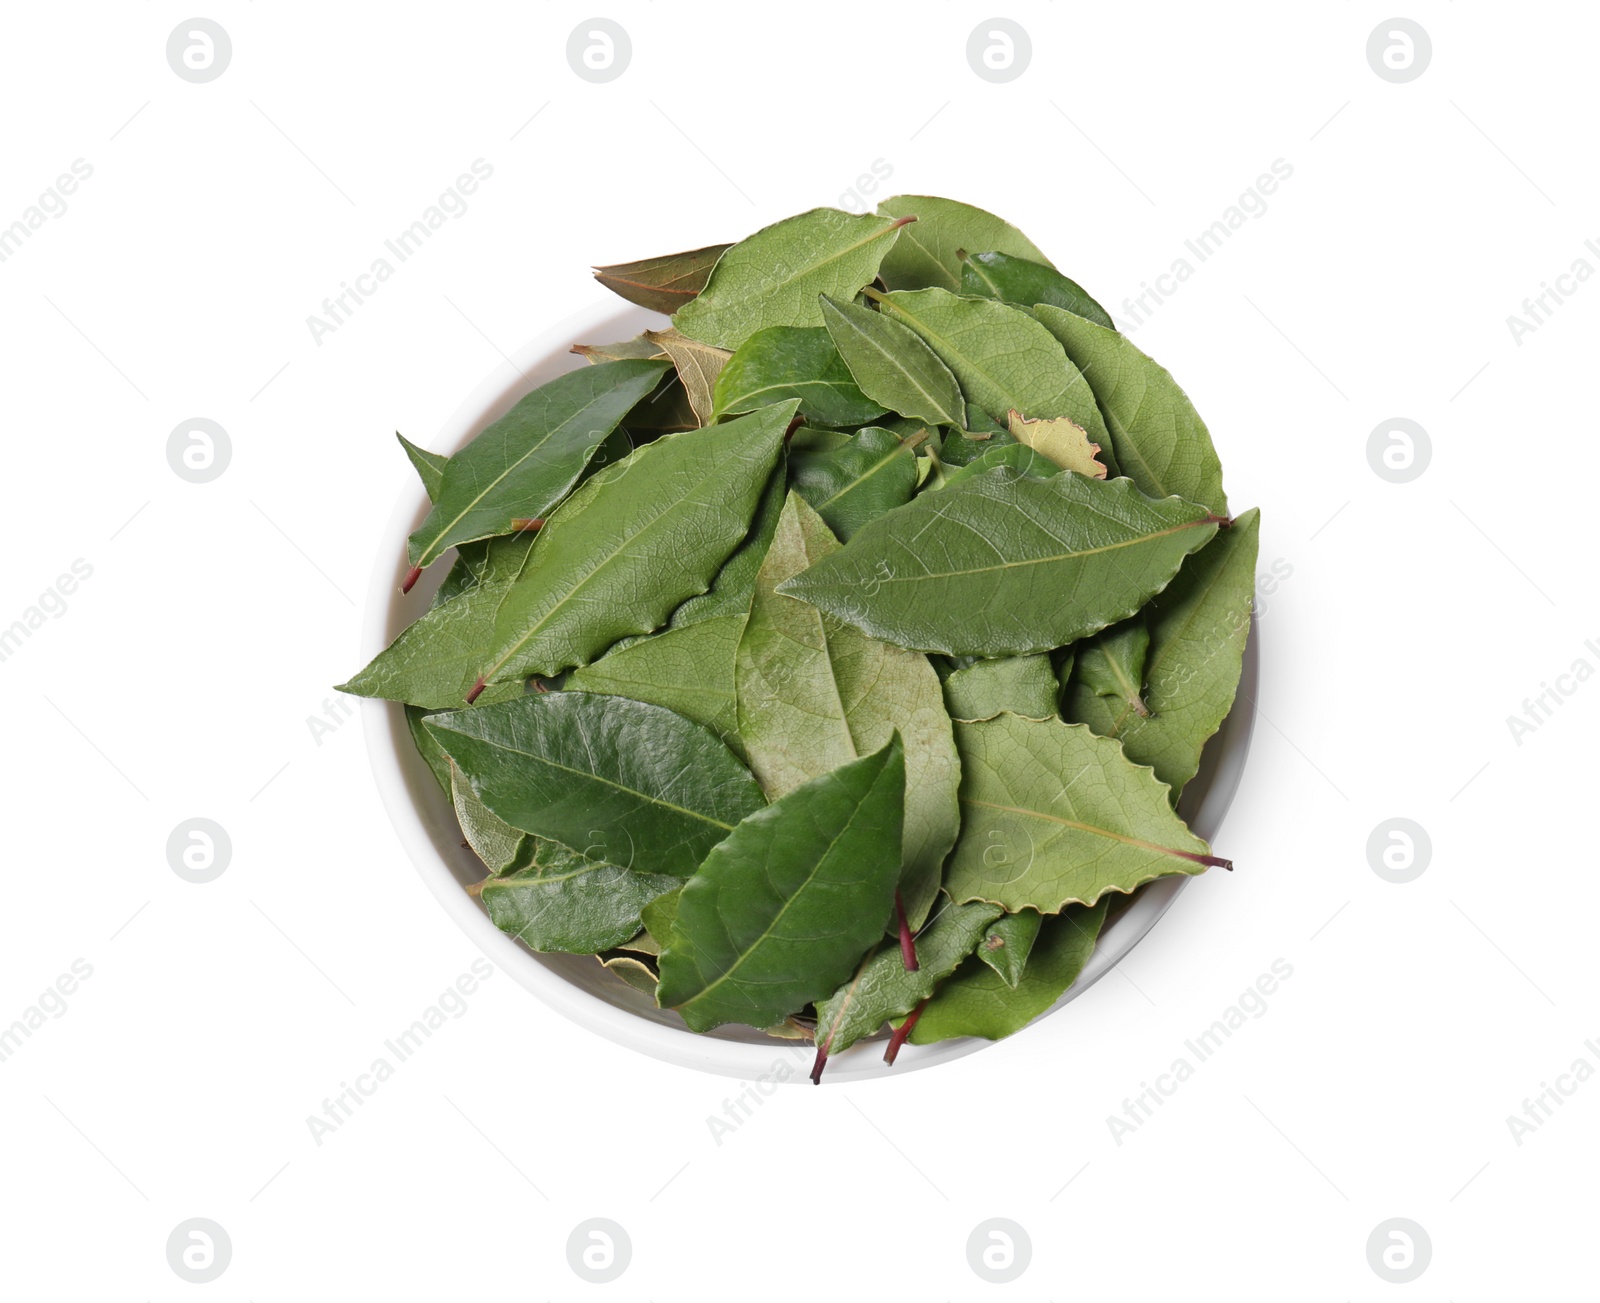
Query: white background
point(180, 678)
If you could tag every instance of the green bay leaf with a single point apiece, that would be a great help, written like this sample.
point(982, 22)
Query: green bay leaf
point(1004, 565)
point(428, 465)
point(781, 912)
point(1023, 685)
point(883, 988)
point(566, 903)
point(1158, 438)
point(527, 461)
point(893, 365)
point(815, 693)
point(1112, 663)
point(1008, 942)
point(1004, 359)
point(867, 474)
point(698, 367)
point(631, 544)
point(930, 252)
point(492, 839)
point(773, 277)
point(1198, 627)
point(978, 1001)
point(793, 362)
point(1053, 815)
point(688, 670)
point(618, 781)
point(1017, 458)
point(1024, 283)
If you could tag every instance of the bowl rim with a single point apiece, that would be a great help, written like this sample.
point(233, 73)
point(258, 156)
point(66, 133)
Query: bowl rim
point(412, 798)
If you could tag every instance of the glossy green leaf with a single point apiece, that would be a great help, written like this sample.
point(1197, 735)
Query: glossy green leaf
point(438, 763)
point(815, 693)
point(698, 366)
point(619, 781)
point(687, 670)
point(893, 365)
point(528, 460)
point(1198, 627)
point(1008, 942)
point(735, 585)
point(1158, 438)
point(431, 663)
point(664, 283)
point(1053, 815)
point(773, 278)
point(631, 544)
point(564, 902)
point(1025, 283)
point(794, 362)
point(659, 914)
point(1003, 358)
point(977, 1001)
point(870, 473)
point(492, 839)
point(429, 466)
point(1111, 664)
point(930, 252)
point(1024, 685)
point(1002, 565)
point(782, 910)
point(883, 988)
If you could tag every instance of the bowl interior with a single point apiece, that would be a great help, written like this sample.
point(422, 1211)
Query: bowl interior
point(577, 985)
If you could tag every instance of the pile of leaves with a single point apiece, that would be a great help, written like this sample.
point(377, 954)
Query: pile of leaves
point(831, 658)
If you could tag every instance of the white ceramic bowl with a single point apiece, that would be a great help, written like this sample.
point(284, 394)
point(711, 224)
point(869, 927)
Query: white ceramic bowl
point(576, 985)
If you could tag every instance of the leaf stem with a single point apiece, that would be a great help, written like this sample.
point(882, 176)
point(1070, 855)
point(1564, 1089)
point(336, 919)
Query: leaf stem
point(414, 574)
point(908, 946)
point(897, 1038)
point(477, 689)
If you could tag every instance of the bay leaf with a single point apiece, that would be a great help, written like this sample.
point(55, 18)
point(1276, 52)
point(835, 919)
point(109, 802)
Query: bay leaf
point(465, 572)
point(883, 988)
point(632, 543)
point(773, 277)
point(963, 447)
point(893, 365)
point(1061, 439)
point(431, 662)
point(1002, 357)
point(815, 693)
point(618, 781)
point(1158, 438)
point(1002, 565)
point(868, 474)
point(782, 910)
point(688, 670)
point(1198, 627)
point(1008, 942)
point(565, 903)
point(735, 584)
point(698, 367)
point(429, 465)
point(976, 1001)
point(1112, 664)
point(1024, 283)
point(528, 460)
point(665, 410)
point(930, 253)
point(794, 362)
point(640, 346)
point(438, 763)
point(492, 839)
point(1017, 458)
point(637, 974)
point(664, 283)
point(659, 914)
point(1023, 685)
point(1053, 815)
